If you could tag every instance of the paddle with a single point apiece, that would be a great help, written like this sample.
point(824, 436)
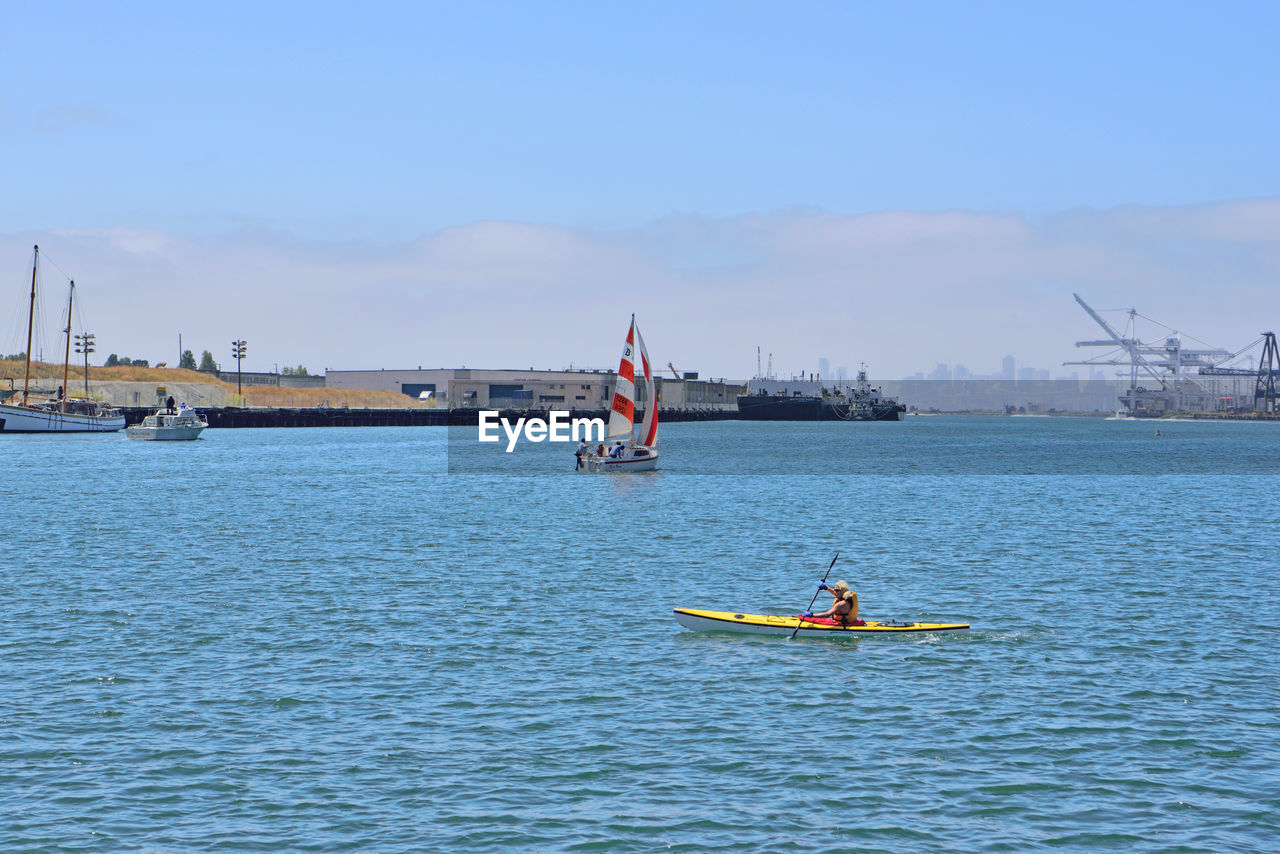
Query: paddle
point(816, 592)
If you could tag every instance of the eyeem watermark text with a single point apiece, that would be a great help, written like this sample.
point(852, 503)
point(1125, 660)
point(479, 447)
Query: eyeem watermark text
point(559, 428)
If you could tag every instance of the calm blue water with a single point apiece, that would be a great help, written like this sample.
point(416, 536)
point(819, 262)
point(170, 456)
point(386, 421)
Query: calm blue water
point(322, 640)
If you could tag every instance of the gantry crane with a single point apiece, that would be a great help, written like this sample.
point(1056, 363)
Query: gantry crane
point(1169, 357)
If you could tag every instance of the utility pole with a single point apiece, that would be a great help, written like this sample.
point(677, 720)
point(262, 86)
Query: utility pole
point(237, 350)
point(84, 344)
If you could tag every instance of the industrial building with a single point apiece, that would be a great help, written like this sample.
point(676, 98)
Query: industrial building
point(582, 389)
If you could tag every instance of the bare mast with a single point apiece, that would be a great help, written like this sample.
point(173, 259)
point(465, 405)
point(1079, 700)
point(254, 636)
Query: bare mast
point(66, 358)
point(31, 317)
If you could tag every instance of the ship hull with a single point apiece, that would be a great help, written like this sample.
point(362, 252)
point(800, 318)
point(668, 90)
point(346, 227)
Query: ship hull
point(647, 461)
point(25, 419)
point(772, 407)
point(164, 434)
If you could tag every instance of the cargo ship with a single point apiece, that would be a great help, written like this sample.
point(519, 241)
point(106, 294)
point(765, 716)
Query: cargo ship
point(858, 402)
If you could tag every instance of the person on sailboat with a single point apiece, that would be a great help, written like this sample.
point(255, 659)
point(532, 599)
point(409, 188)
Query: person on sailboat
point(582, 451)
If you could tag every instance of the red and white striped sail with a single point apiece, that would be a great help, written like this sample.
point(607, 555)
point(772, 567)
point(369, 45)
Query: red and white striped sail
point(649, 426)
point(622, 412)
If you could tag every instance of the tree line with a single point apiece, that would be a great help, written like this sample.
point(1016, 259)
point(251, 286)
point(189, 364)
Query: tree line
point(207, 364)
point(188, 361)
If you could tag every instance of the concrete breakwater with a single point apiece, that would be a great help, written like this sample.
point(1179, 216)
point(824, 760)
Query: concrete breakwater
point(231, 416)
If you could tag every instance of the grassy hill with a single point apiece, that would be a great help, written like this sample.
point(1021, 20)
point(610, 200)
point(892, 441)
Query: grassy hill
point(45, 370)
point(48, 376)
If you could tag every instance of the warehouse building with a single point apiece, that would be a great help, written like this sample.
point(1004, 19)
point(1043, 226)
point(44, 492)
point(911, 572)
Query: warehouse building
point(583, 389)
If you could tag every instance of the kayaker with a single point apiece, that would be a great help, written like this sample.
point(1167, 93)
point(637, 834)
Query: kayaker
point(836, 590)
point(851, 616)
point(844, 608)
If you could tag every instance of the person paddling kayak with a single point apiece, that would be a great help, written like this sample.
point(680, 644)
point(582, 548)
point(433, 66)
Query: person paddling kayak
point(844, 608)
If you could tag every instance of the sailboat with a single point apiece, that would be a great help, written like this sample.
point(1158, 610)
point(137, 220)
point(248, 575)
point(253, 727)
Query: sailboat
point(58, 415)
point(622, 451)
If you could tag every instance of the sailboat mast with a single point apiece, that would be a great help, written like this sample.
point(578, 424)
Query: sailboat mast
point(635, 393)
point(31, 317)
point(66, 358)
point(622, 409)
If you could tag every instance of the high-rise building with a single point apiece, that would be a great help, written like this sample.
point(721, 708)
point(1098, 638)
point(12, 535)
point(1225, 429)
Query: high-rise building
point(1006, 368)
point(824, 368)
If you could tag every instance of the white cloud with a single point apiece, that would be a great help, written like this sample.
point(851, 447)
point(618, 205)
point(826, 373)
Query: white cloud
point(899, 290)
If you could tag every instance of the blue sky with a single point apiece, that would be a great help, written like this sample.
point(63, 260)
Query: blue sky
point(502, 167)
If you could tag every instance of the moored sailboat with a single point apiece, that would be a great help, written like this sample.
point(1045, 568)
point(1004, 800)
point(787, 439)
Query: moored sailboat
point(622, 451)
point(58, 415)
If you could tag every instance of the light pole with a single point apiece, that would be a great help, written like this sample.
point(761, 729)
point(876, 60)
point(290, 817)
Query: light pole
point(237, 350)
point(84, 344)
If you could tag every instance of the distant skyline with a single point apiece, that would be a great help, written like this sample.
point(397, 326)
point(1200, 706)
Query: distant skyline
point(502, 185)
point(959, 371)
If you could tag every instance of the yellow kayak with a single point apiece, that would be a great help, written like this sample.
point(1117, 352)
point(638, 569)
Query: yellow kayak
point(770, 624)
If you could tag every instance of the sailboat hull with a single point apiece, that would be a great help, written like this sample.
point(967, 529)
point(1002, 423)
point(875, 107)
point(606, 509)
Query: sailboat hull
point(28, 419)
point(648, 462)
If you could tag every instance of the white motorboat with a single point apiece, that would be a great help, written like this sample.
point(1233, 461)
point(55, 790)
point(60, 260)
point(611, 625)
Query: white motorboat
point(170, 425)
point(621, 451)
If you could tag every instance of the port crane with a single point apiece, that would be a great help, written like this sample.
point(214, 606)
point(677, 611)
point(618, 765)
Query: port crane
point(1169, 364)
point(1268, 372)
point(1166, 363)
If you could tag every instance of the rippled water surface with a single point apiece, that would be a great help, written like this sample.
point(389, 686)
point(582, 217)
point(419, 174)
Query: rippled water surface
point(323, 640)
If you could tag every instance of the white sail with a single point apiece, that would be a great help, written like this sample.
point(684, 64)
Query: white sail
point(649, 426)
point(622, 411)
